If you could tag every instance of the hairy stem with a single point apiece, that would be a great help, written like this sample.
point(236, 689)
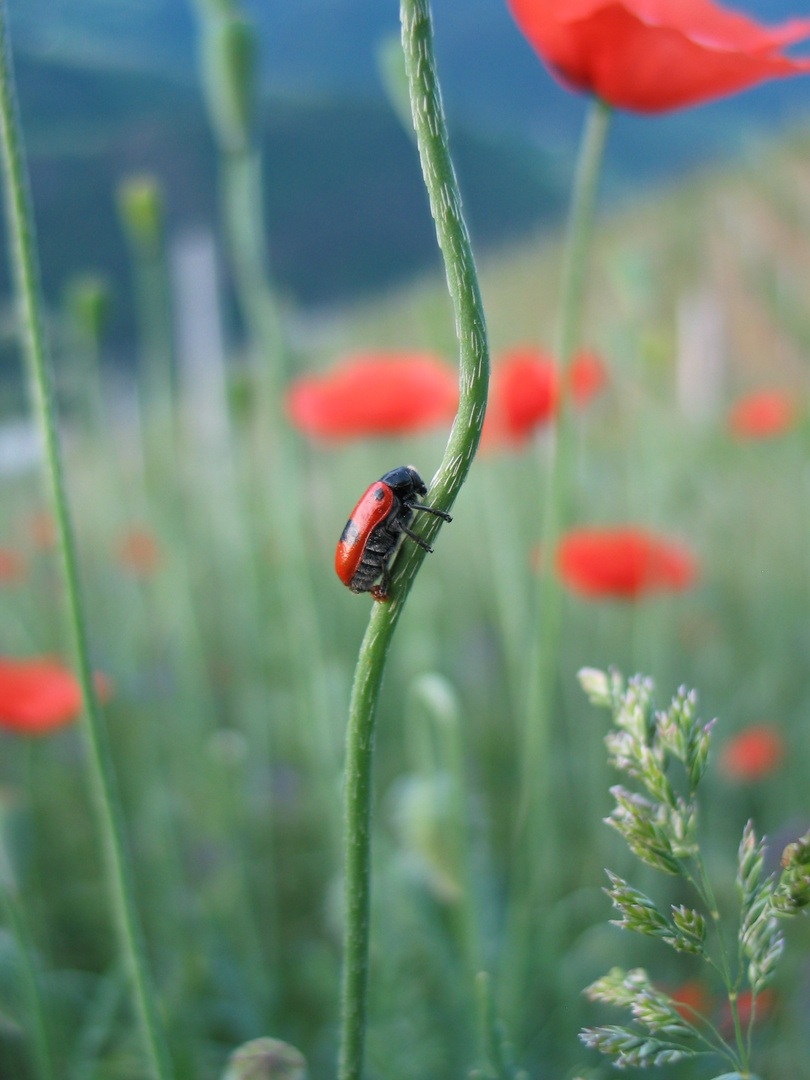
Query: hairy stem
point(445, 205)
point(20, 223)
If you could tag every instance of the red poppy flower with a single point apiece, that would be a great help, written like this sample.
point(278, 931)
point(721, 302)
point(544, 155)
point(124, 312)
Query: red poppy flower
point(42, 528)
point(691, 997)
point(12, 566)
point(139, 553)
point(586, 377)
point(623, 563)
point(375, 394)
point(523, 396)
point(752, 753)
point(763, 415)
point(655, 55)
point(765, 1001)
point(39, 696)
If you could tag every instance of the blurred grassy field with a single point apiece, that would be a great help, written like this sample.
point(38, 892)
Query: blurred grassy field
point(230, 695)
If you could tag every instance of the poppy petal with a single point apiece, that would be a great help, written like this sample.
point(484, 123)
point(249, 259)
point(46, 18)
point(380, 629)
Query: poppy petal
point(623, 563)
point(586, 377)
point(763, 415)
point(40, 696)
point(524, 392)
point(656, 55)
point(375, 394)
point(753, 753)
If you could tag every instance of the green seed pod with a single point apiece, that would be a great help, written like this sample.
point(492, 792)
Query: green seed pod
point(229, 56)
point(140, 204)
point(88, 299)
point(266, 1059)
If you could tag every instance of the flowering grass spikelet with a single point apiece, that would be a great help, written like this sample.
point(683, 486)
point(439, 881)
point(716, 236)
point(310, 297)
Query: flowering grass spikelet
point(660, 827)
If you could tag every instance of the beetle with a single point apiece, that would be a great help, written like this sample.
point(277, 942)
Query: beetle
point(374, 529)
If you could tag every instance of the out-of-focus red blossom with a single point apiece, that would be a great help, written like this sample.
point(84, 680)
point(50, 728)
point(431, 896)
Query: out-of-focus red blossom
point(12, 566)
point(586, 377)
point(765, 1001)
point(753, 753)
point(139, 553)
point(42, 529)
point(763, 415)
point(40, 696)
point(651, 56)
point(375, 394)
point(692, 997)
point(623, 563)
point(523, 396)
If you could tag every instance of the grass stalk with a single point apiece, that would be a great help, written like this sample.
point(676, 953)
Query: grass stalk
point(532, 830)
point(12, 910)
point(462, 281)
point(25, 269)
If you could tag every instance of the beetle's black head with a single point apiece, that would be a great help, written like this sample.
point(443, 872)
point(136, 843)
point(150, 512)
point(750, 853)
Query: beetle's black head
point(405, 482)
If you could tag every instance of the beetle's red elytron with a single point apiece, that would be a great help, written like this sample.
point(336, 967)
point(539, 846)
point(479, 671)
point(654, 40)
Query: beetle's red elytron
point(371, 534)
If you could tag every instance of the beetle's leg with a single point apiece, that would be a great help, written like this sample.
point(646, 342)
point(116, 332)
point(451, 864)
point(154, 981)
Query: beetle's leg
point(380, 592)
point(417, 539)
point(430, 510)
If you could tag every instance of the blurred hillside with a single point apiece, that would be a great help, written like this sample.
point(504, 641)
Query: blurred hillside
point(108, 89)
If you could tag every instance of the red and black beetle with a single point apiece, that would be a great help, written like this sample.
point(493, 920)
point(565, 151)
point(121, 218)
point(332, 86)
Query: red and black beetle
point(372, 532)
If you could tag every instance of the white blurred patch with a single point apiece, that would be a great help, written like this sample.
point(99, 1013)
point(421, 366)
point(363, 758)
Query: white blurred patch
point(702, 350)
point(20, 447)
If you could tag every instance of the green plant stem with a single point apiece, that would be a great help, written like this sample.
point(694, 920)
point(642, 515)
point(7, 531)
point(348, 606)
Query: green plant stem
point(242, 209)
point(241, 186)
point(18, 925)
point(156, 368)
point(532, 831)
point(20, 222)
point(462, 281)
point(731, 986)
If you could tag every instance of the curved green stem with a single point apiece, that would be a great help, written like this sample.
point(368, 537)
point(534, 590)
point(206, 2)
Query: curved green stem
point(531, 831)
point(445, 205)
point(26, 278)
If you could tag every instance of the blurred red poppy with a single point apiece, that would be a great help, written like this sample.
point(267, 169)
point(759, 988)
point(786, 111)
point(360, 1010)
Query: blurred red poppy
point(12, 566)
point(655, 55)
point(763, 415)
point(375, 394)
point(752, 753)
point(623, 563)
point(39, 696)
point(139, 553)
point(691, 997)
point(42, 529)
point(765, 1001)
point(586, 377)
point(523, 395)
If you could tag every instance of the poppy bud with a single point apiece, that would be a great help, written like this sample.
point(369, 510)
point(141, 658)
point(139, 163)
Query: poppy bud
point(140, 204)
point(266, 1059)
point(89, 300)
point(229, 76)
